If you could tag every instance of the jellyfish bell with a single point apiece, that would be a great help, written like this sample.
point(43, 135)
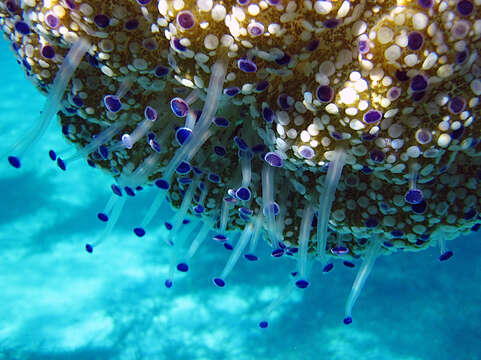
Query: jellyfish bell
point(248, 125)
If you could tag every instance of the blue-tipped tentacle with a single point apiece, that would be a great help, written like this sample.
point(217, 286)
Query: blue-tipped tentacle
point(304, 236)
point(362, 274)
point(326, 199)
point(236, 253)
point(54, 100)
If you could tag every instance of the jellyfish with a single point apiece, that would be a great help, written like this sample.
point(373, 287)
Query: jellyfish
point(334, 131)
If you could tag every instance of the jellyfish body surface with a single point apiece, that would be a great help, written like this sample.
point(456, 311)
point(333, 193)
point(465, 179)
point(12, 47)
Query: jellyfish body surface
point(335, 131)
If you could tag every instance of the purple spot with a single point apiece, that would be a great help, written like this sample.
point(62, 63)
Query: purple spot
point(465, 7)
point(221, 122)
point(377, 156)
point(415, 40)
point(461, 56)
point(339, 250)
point(347, 320)
point(231, 91)
point(251, 257)
point(277, 253)
point(132, 24)
point(414, 196)
point(183, 267)
point(139, 232)
point(397, 233)
point(219, 282)
point(22, 27)
point(313, 45)
point(162, 184)
point(14, 161)
point(283, 101)
point(264, 324)
point(262, 85)
point(112, 103)
point(348, 264)
point(268, 114)
point(243, 194)
point(302, 284)
point(457, 104)
point(283, 60)
point(161, 71)
point(419, 83)
point(372, 116)
point(401, 75)
point(331, 23)
point(372, 222)
point(328, 267)
point(247, 65)
point(177, 45)
point(306, 152)
point(101, 20)
point(116, 190)
point(446, 255)
point(273, 159)
point(48, 52)
point(89, 248)
point(219, 150)
point(419, 208)
point(325, 93)
point(426, 3)
point(185, 19)
point(179, 107)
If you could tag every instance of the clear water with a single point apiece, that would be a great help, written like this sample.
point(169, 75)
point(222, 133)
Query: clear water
point(58, 302)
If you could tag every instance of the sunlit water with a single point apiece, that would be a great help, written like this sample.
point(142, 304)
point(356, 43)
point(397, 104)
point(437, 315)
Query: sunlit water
point(59, 302)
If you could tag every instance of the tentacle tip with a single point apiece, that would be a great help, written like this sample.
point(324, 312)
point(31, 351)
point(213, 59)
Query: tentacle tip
point(102, 217)
point(302, 283)
point(347, 320)
point(61, 164)
point(263, 324)
point(139, 231)
point(277, 252)
point(183, 267)
point(168, 283)
point(14, 161)
point(328, 268)
point(52, 155)
point(251, 257)
point(446, 255)
point(89, 248)
point(228, 246)
point(219, 282)
point(220, 238)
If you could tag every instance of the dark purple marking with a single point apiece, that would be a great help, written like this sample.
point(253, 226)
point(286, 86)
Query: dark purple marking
point(465, 7)
point(101, 20)
point(22, 27)
point(414, 196)
point(446, 255)
point(132, 24)
point(251, 257)
point(48, 52)
point(302, 284)
point(325, 93)
point(419, 83)
point(183, 267)
point(247, 65)
point(139, 231)
point(102, 217)
point(273, 159)
point(415, 40)
point(186, 20)
point(219, 282)
point(112, 103)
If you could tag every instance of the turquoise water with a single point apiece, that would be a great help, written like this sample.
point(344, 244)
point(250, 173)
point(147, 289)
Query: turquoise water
point(58, 302)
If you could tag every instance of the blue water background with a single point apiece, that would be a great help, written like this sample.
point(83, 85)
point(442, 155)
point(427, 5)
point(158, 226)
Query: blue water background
point(58, 302)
